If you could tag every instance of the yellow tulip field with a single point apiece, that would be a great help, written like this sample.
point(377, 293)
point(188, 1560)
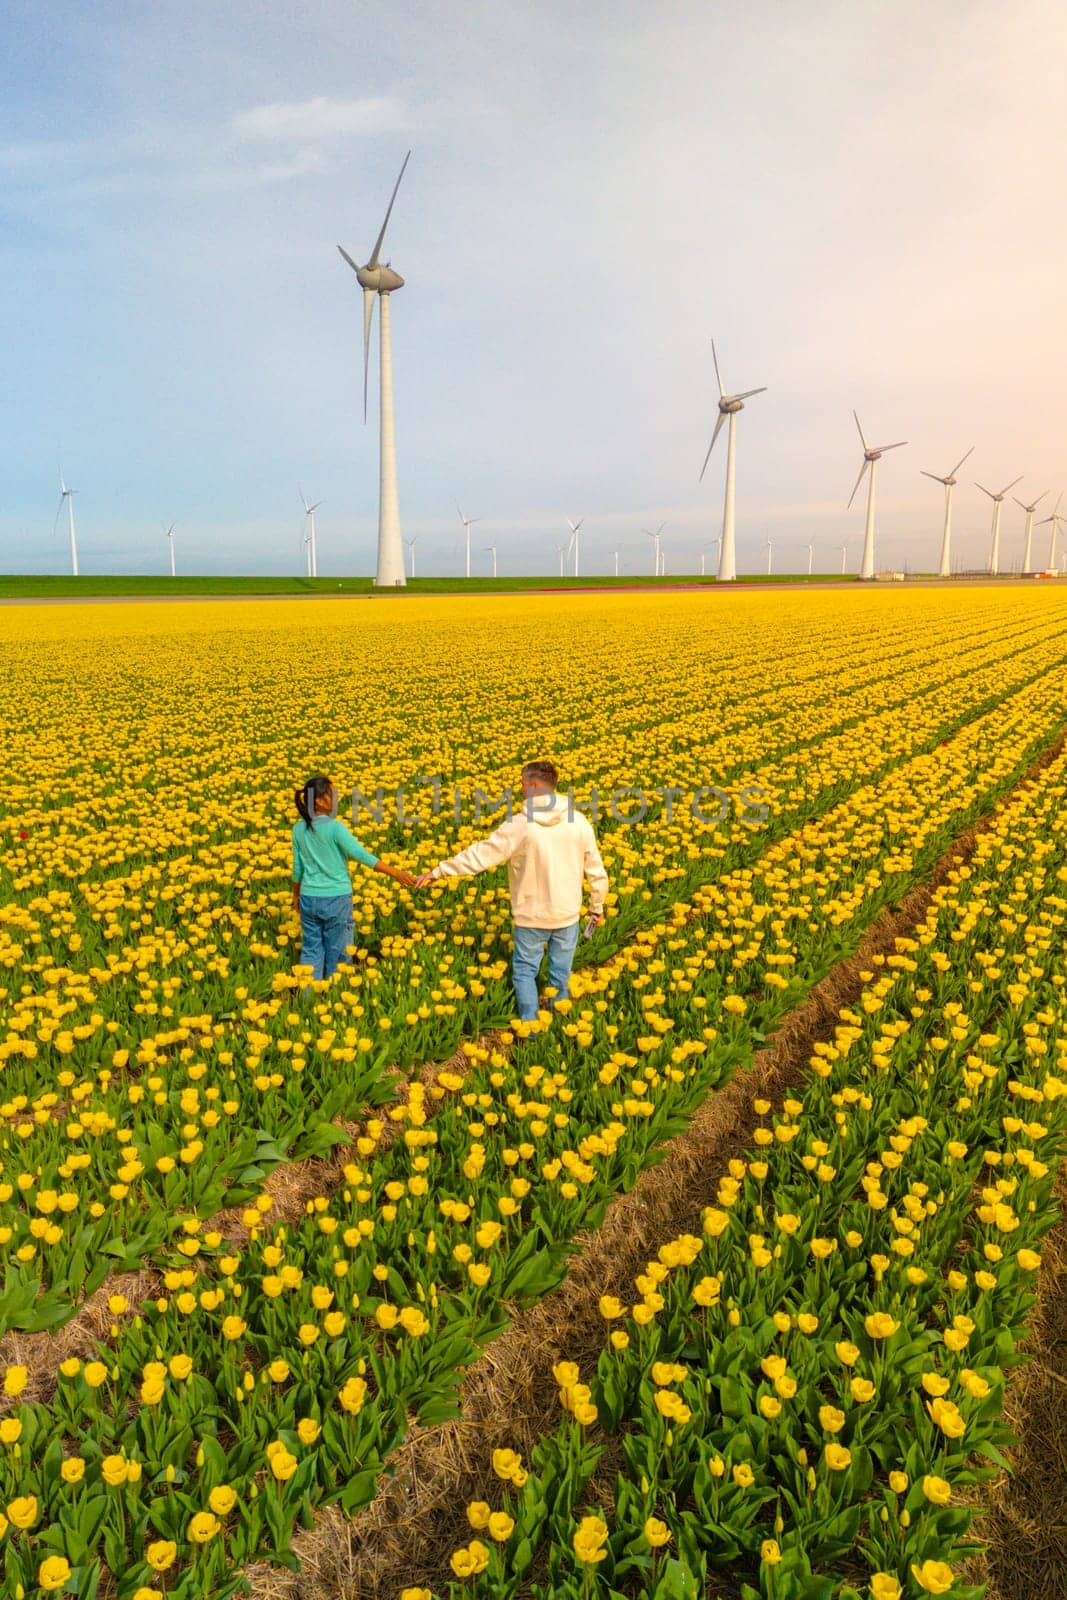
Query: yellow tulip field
point(786, 1404)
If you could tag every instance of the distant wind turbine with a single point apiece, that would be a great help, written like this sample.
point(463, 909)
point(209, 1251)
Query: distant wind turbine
point(67, 495)
point(561, 551)
point(655, 537)
point(168, 534)
point(1055, 521)
point(309, 535)
point(949, 481)
point(770, 552)
point(1030, 509)
point(729, 406)
point(844, 557)
point(872, 454)
point(811, 555)
point(468, 524)
point(994, 549)
point(380, 282)
point(575, 541)
point(615, 553)
point(490, 549)
point(411, 543)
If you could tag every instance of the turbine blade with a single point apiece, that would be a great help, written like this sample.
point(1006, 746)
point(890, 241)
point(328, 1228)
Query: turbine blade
point(718, 426)
point(303, 502)
point(859, 430)
point(883, 447)
point(373, 262)
point(1013, 482)
point(718, 380)
point(369, 297)
point(353, 264)
point(59, 512)
point(859, 480)
point(984, 490)
point(960, 462)
point(746, 394)
point(1038, 501)
point(934, 475)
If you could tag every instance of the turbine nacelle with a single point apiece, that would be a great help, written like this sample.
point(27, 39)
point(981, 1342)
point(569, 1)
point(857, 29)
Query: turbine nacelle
point(380, 280)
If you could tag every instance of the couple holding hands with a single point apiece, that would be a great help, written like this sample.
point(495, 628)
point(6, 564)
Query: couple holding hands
point(548, 846)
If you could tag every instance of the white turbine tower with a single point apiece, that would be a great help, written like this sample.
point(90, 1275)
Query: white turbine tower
point(994, 548)
point(379, 283)
point(490, 550)
point(844, 558)
point(770, 552)
point(655, 537)
point(1055, 521)
point(1029, 535)
point(168, 534)
point(872, 454)
point(575, 541)
point(309, 535)
point(67, 495)
point(729, 406)
point(561, 551)
point(811, 555)
point(411, 543)
point(945, 565)
point(468, 524)
point(615, 553)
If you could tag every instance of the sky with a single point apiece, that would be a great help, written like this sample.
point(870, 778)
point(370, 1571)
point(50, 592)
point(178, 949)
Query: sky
point(861, 202)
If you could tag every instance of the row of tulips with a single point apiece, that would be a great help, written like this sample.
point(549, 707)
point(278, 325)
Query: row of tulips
point(798, 1395)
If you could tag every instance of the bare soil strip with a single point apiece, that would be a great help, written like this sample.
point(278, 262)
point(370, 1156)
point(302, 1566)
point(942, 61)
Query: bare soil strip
point(406, 1536)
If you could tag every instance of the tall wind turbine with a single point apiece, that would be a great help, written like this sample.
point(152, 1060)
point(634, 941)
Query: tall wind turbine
point(945, 566)
point(994, 549)
point(655, 537)
point(490, 550)
point(67, 495)
point(561, 551)
point(811, 555)
point(168, 534)
point(1030, 509)
point(575, 541)
point(729, 406)
point(872, 454)
point(844, 558)
point(1055, 520)
point(380, 282)
point(468, 524)
point(309, 535)
point(411, 543)
point(770, 553)
point(615, 553)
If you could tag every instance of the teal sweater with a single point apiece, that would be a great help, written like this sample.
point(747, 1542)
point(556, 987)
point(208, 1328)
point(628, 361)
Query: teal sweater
point(321, 854)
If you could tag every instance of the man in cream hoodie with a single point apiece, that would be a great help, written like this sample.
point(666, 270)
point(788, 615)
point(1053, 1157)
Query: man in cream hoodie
point(549, 848)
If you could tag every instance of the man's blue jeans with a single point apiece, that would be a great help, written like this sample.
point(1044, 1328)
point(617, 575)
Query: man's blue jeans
point(526, 964)
point(327, 927)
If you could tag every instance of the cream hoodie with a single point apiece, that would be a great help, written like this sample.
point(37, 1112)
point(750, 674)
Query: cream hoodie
point(548, 851)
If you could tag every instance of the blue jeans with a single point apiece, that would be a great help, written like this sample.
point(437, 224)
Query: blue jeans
point(326, 924)
point(526, 964)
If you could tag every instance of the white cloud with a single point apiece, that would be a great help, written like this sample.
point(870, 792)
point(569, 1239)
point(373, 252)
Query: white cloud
point(321, 118)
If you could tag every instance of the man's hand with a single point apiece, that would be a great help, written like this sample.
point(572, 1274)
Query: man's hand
point(424, 879)
point(596, 918)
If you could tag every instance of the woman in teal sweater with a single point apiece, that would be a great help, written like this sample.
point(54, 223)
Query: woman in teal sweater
point(322, 889)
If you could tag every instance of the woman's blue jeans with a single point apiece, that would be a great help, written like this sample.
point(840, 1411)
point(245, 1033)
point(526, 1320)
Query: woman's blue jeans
point(530, 946)
point(327, 927)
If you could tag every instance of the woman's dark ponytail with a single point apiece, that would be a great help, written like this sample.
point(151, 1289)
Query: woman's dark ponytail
point(315, 788)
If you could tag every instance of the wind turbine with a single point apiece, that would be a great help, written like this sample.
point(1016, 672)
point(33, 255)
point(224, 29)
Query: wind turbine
point(309, 535)
point(729, 406)
point(811, 555)
point(575, 541)
point(945, 567)
point(411, 543)
point(615, 553)
point(468, 524)
point(872, 454)
point(844, 557)
point(1055, 520)
point(655, 537)
point(770, 553)
point(561, 551)
point(67, 495)
point(168, 534)
point(381, 282)
point(1030, 509)
point(490, 549)
point(994, 551)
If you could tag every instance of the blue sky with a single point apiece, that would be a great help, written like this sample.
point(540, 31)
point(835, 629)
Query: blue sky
point(862, 202)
